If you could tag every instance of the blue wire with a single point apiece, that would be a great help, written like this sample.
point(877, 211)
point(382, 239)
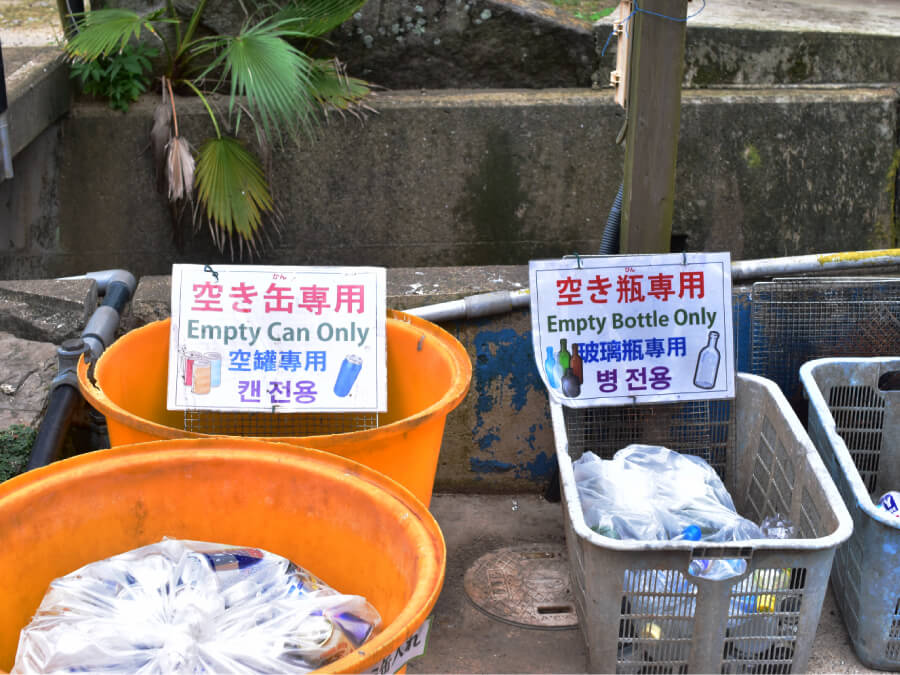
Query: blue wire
point(637, 9)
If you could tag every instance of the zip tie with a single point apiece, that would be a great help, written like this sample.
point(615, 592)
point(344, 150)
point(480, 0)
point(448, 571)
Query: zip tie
point(637, 8)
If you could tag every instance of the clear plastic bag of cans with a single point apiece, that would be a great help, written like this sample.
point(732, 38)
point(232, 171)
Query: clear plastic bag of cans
point(186, 606)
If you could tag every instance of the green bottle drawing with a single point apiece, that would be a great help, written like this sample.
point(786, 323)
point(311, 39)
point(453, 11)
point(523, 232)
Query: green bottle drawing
point(564, 357)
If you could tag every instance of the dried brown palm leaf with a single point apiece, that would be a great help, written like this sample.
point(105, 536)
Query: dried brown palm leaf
point(180, 169)
point(160, 135)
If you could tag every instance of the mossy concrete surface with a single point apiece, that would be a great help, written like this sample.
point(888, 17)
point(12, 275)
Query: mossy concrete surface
point(487, 177)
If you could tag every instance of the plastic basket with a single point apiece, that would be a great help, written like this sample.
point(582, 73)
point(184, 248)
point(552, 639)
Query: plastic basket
point(632, 623)
point(855, 424)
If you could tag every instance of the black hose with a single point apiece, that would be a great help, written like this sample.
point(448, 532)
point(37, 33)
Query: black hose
point(609, 245)
point(4, 104)
point(117, 296)
point(51, 436)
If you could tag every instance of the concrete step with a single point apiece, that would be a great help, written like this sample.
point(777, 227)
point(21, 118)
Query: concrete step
point(436, 44)
point(790, 42)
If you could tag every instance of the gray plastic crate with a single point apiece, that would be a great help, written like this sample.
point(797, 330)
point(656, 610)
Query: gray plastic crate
point(855, 424)
point(639, 609)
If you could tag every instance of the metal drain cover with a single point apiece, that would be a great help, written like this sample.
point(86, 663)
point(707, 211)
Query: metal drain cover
point(525, 585)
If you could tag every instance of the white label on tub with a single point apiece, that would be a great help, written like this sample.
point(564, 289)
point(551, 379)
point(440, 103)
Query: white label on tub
point(413, 647)
point(278, 339)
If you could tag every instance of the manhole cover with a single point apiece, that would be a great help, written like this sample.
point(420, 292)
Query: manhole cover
point(524, 585)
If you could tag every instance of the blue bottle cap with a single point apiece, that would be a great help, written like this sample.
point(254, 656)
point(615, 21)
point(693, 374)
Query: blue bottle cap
point(691, 533)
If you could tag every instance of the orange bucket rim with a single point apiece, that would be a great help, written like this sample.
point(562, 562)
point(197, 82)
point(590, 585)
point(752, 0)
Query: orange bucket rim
point(431, 569)
point(461, 380)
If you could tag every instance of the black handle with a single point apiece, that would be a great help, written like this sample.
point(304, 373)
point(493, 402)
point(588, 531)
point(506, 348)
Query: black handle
point(889, 381)
point(3, 102)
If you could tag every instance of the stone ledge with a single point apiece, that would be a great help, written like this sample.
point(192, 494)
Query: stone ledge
point(39, 92)
point(46, 310)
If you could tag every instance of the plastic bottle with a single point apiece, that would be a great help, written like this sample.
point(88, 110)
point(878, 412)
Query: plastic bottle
point(890, 502)
point(777, 527)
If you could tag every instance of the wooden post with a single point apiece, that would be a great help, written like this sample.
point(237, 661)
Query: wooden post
point(654, 115)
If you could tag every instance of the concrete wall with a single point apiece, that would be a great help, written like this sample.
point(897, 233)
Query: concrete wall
point(490, 177)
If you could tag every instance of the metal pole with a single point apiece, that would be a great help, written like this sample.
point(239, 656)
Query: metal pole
point(743, 270)
point(500, 302)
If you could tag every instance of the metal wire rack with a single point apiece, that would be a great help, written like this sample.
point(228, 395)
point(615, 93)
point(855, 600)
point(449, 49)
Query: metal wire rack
point(701, 428)
point(276, 424)
point(796, 320)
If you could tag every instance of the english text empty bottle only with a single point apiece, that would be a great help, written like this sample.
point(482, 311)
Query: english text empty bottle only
point(708, 363)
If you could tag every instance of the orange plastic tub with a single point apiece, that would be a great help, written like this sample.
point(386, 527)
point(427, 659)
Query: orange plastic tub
point(356, 529)
point(428, 375)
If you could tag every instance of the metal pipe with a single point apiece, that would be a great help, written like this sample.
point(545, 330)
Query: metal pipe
point(473, 306)
point(500, 302)
point(117, 288)
point(744, 270)
point(106, 277)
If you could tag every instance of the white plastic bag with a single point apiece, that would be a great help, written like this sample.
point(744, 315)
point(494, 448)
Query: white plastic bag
point(648, 492)
point(185, 606)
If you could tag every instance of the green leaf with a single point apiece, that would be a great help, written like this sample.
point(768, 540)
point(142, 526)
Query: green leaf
point(332, 88)
point(232, 187)
point(104, 31)
point(274, 76)
point(317, 17)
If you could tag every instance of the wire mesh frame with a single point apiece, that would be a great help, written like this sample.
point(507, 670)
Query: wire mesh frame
point(796, 320)
point(287, 425)
point(701, 428)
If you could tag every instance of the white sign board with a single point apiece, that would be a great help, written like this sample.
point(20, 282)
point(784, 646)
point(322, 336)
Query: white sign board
point(278, 339)
point(617, 330)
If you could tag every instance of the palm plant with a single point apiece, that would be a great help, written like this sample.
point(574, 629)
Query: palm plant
point(267, 80)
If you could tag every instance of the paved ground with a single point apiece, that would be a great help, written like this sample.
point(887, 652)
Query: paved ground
point(29, 23)
point(465, 640)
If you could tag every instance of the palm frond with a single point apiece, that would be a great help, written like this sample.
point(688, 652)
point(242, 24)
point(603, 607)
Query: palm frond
point(103, 31)
point(160, 135)
point(317, 17)
point(180, 169)
point(274, 77)
point(232, 188)
point(334, 89)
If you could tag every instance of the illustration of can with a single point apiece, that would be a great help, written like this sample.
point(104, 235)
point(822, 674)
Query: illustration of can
point(189, 367)
point(347, 375)
point(215, 362)
point(182, 362)
point(200, 376)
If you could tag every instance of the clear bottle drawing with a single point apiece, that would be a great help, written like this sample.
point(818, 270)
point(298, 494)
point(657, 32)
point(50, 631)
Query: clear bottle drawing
point(708, 363)
point(552, 369)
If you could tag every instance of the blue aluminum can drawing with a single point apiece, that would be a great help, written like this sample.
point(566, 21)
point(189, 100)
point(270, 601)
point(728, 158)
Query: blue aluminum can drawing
point(215, 368)
point(347, 375)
